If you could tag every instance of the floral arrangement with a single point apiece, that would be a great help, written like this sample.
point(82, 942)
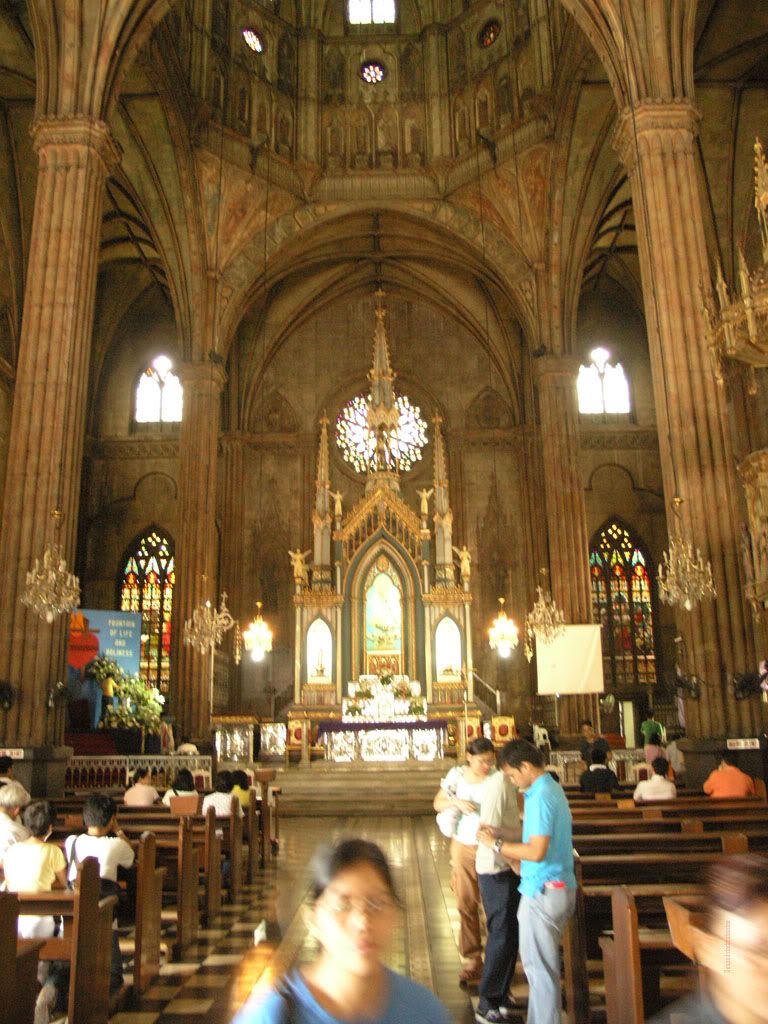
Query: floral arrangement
point(352, 708)
point(416, 706)
point(401, 690)
point(138, 706)
point(363, 693)
point(385, 678)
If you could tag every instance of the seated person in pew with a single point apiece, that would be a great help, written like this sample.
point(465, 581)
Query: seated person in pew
point(590, 741)
point(241, 788)
point(6, 769)
point(183, 785)
point(598, 778)
point(221, 798)
point(727, 781)
point(13, 799)
point(658, 787)
point(34, 865)
point(108, 844)
point(141, 794)
point(730, 948)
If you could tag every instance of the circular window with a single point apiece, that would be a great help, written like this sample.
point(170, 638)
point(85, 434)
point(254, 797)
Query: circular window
point(489, 33)
point(253, 40)
point(372, 72)
point(357, 443)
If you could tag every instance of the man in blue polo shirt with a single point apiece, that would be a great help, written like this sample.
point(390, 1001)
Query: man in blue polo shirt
point(547, 881)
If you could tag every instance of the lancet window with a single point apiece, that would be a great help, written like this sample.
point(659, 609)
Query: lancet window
point(159, 394)
point(602, 386)
point(622, 603)
point(371, 12)
point(146, 586)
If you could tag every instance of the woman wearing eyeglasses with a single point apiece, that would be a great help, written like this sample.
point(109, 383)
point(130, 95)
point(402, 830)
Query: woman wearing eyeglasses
point(352, 915)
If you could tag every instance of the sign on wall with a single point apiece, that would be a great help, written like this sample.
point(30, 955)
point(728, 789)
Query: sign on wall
point(109, 634)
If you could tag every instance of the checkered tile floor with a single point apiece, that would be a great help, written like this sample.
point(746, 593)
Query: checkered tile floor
point(217, 974)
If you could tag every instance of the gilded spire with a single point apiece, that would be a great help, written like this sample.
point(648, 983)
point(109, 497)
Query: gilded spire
point(323, 477)
point(383, 414)
point(761, 195)
point(442, 505)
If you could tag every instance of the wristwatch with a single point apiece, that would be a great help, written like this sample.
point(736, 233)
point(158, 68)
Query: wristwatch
point(497, 845)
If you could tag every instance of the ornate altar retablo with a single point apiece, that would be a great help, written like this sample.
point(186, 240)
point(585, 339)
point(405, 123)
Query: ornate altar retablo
point(380, 601)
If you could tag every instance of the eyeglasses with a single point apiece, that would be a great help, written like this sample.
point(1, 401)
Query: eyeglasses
point(341, 906)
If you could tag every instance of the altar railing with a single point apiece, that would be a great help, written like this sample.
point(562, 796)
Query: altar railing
point(114, 772)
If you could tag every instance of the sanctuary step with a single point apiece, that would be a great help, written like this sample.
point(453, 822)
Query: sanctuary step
point(372, 791)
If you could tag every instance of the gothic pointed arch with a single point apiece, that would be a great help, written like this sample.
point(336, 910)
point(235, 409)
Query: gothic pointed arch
point(145, 583)
point(623, 604)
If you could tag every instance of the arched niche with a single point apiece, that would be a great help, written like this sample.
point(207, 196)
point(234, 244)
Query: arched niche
point(319, 655)
point(448, 650)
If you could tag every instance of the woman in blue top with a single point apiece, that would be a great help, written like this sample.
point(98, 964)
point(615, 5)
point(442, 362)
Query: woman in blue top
point(352, 914)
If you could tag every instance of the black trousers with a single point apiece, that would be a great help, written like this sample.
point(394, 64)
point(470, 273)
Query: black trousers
point(500, 897)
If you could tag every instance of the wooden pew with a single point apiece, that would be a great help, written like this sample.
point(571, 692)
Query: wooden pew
point(633, 957)
point(149, 902)
point(18, 976)
point(86, 942)
point(674, 843)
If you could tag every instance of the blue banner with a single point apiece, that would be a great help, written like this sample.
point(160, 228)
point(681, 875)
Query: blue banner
point(96, 633)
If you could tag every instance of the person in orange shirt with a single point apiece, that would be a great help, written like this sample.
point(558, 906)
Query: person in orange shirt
point(727, 782)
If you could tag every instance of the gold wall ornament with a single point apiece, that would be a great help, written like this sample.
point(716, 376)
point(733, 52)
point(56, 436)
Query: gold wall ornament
point(51, 589)
point(545, 622)
point(737, 328)
point(258, 636)
point(503, 634)
point(684, 578)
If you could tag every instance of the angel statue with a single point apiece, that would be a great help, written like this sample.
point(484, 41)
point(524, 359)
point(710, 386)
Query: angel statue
point(465, 560)
point(336, 495)
point(299, 566)
point(425, 495)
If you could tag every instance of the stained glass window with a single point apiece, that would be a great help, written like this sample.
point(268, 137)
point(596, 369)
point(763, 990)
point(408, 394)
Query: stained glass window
point(602, 388)
point(371, 12)
point(146, 586)
point(489, 33)
point(159, 395)
point(372, 72)
point(357, 442)
point(622, 604)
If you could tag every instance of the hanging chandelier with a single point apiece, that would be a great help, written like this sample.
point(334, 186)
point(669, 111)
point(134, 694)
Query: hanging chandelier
point(206, 628)
point(545, 622)
point(51, 589)
point(685, 579)
point(258, 636)
point(503, 634)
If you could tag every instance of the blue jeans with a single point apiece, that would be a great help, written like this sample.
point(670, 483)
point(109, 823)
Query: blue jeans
point(542, 919)
point(500, 901)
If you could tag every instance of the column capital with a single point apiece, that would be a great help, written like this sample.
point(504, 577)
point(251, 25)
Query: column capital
point(654, 119)
point(76, 134)
point(556, 370)
point(199, 374)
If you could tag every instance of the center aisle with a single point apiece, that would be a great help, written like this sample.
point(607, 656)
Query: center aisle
point(219, 971)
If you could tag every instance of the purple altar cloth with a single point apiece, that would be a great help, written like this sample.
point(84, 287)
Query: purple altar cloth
point(327, 725)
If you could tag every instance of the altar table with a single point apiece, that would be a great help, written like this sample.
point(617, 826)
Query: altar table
point(383, 741)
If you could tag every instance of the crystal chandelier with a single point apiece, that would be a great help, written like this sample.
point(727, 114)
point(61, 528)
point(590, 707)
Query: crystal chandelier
point(684, 578)
point(258, 637)
point(545, 622)
point(206, 629)
point(502, 636)
point(51, 589)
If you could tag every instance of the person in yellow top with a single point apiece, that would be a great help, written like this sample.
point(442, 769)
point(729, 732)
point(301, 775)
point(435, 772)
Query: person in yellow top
point(241, 788)
point(34, 865)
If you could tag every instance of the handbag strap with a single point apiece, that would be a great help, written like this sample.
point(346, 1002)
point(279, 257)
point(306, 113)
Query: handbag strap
point(286, 993)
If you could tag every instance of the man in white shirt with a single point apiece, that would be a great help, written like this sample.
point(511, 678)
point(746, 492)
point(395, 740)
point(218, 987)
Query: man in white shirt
point(108, 844)
point(221, 798)
point(13, 799)
point(658, 787)
point(500, 896)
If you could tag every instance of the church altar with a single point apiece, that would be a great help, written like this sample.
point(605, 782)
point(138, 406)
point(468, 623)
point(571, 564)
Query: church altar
point(415, 740)
point(382, 599)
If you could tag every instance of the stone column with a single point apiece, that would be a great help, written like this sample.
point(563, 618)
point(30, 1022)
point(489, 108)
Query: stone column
point(233, 544)
point(196, 548)
point(308, 128)
point(696, 448)
point(565, 511)
point(436, 89)
point(48, 420)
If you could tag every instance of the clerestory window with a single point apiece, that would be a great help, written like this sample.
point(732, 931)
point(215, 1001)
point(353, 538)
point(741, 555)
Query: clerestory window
point(159, 394)
point(371, 12)
point(602, 386)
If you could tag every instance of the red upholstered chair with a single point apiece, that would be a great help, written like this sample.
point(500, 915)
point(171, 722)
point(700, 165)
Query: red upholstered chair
point(503, 729)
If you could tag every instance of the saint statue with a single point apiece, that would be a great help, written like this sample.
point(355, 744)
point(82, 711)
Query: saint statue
point(299, 566)
point(425, 495)
point(465, 560)
point(336, 495)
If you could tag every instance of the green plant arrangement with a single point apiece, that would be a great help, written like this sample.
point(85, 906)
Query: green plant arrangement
point(385, 678)
point(363, 693)
point(353, 709)
point(138, 706)
point(416, 706)
point(401, 691)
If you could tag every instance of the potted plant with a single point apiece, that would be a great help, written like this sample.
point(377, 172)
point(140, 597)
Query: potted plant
point(134, 713)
